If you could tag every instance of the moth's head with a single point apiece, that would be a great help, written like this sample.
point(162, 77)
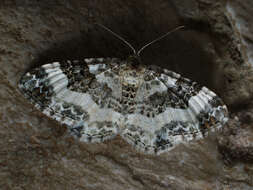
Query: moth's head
point(134, 59)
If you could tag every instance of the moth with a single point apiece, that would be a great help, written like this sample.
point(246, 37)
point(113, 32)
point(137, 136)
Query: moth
point(152, 108)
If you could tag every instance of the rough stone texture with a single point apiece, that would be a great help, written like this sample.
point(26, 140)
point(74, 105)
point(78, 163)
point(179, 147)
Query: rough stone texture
point(37, 153)
point(236, 142)
point(239, 15)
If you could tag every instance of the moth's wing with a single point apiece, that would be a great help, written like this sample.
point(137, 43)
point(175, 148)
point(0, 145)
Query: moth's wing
point(209, 110)
point(78, 94)
point(171, 110)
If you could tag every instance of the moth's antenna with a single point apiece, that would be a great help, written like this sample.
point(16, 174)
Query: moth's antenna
point(177, 28)
point(119, 37)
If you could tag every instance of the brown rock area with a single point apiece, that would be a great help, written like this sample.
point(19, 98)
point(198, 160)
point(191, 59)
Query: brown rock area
point(215, 49)
point(237, 142)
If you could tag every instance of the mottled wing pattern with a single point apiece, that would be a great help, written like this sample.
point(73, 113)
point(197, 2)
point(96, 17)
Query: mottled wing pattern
point(169, 109)
point(152, 108)
point(79, 94)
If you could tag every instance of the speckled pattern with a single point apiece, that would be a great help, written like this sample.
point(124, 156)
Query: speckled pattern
point(152, 108)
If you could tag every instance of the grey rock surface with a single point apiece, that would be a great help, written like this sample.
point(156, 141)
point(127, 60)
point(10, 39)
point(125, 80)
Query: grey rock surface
point(37, 153)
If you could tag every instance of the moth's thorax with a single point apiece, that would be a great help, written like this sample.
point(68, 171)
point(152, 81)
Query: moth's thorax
point(132, 75)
